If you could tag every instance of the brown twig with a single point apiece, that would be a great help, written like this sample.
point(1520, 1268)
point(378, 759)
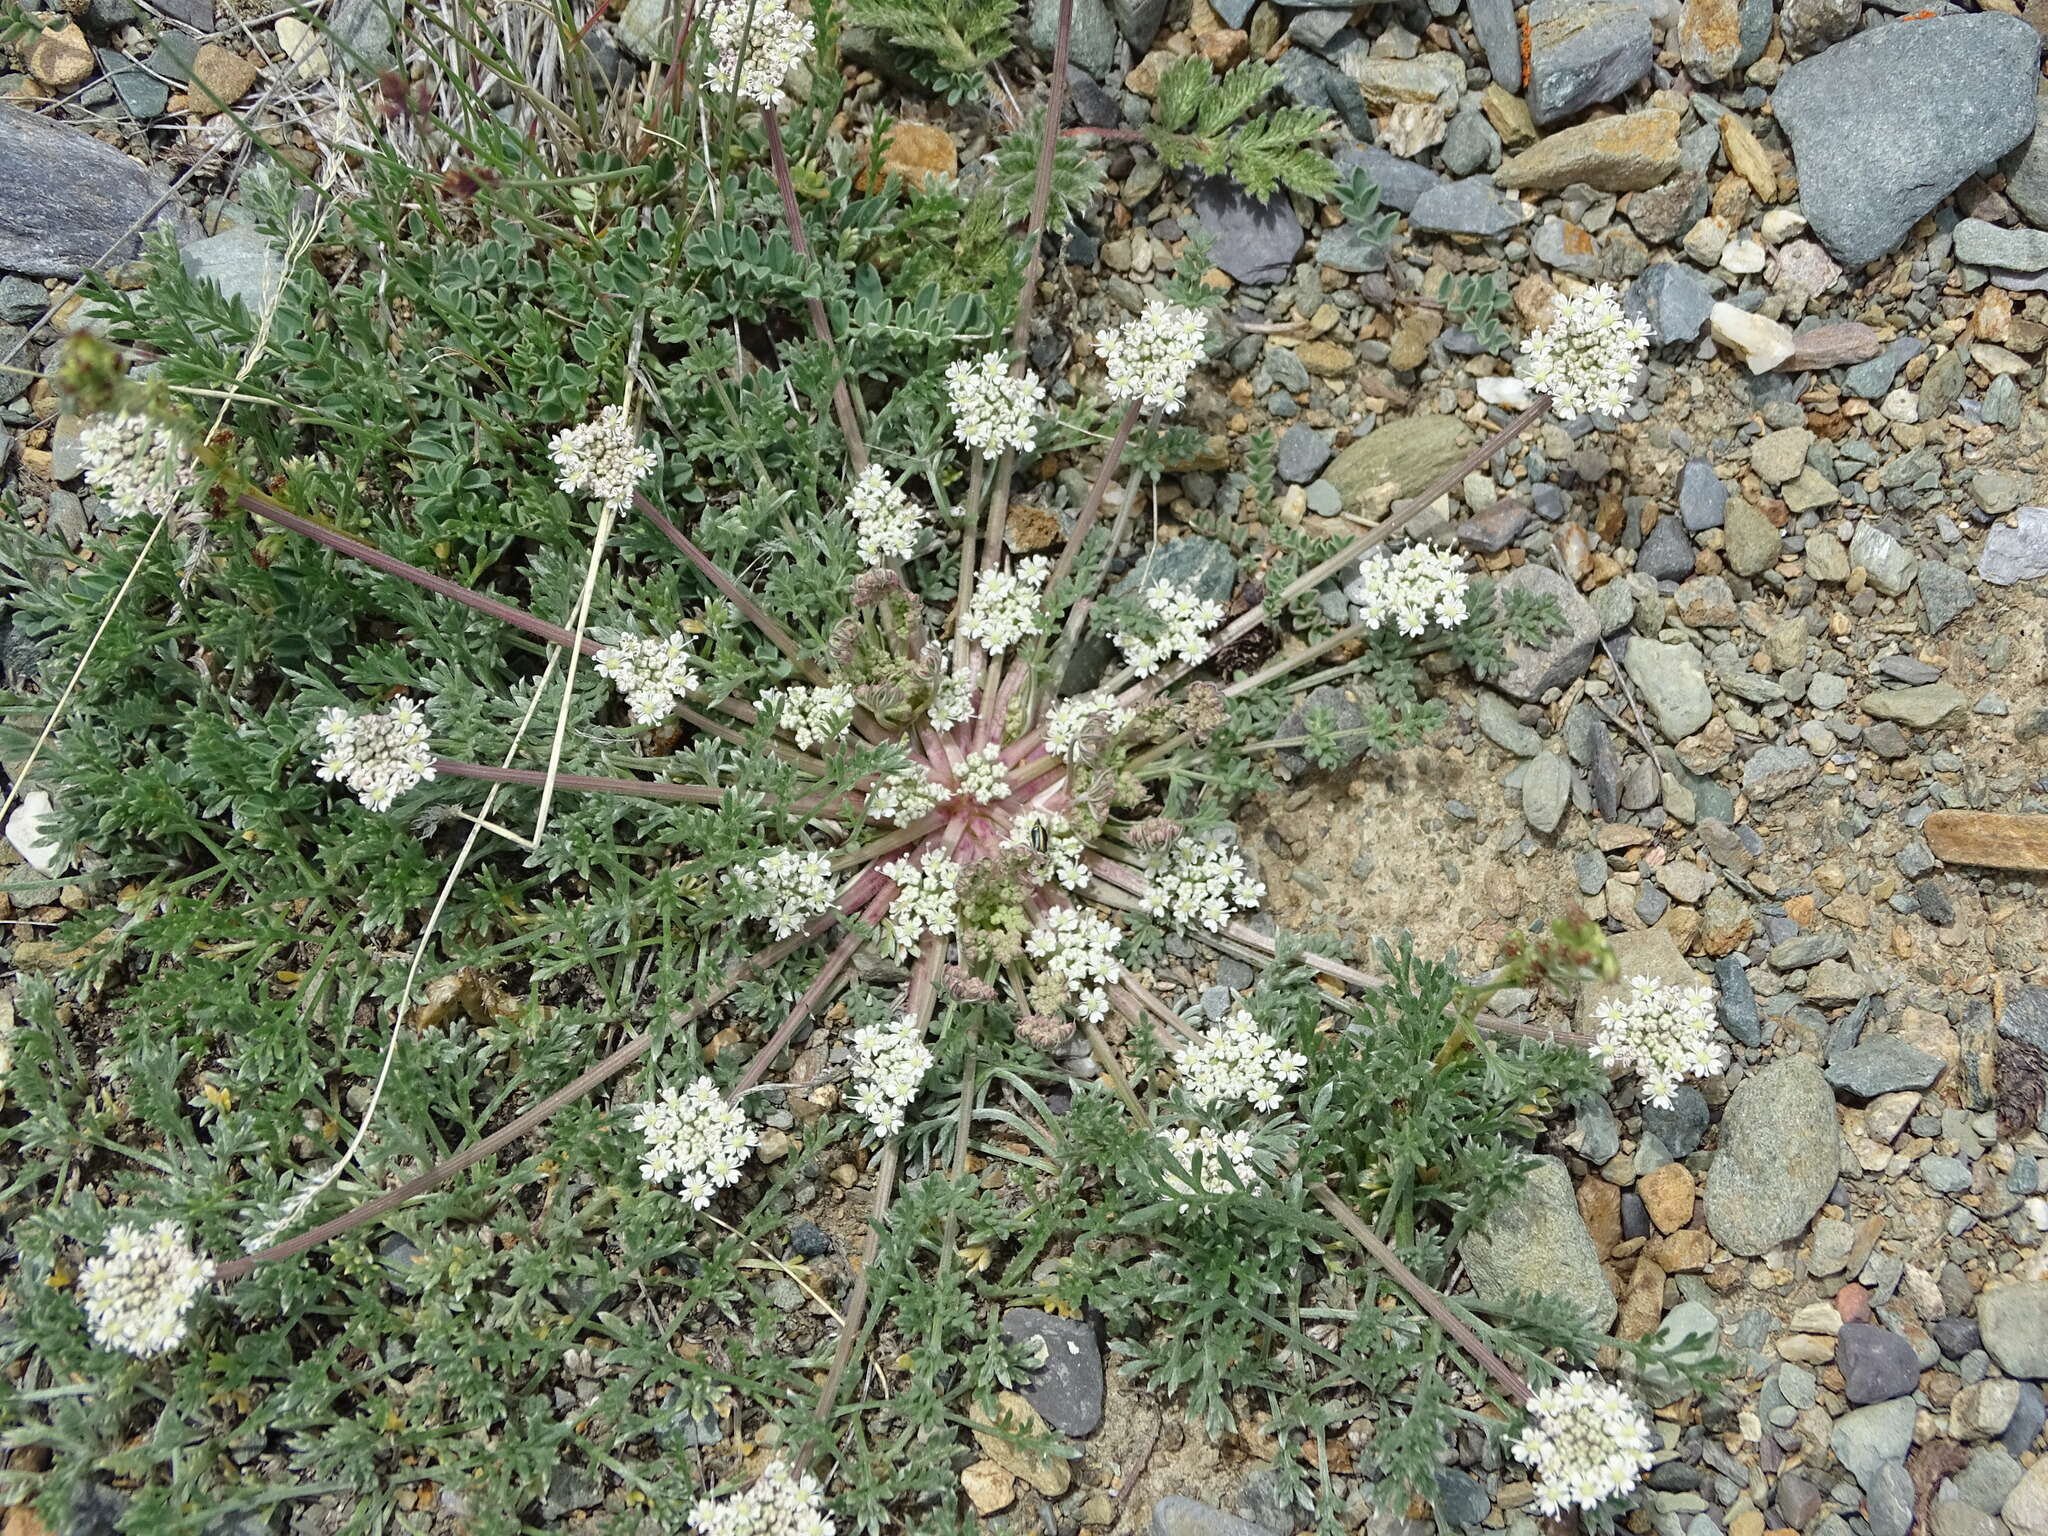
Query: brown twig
point(842, 398)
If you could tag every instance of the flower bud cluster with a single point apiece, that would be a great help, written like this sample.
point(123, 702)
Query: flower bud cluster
point(890, 1060)
point(1009, 605)
point(1051, 836)
point(695, 1140)
point(1080, 949)
point(603, 457)
point(1236, 1062)
point(982, 775)
point(138, 1293)
point(927, 901)
point(811, 715)
point(1586, 358)
point(1198, 883)
point(1183, 628)
point(781, 1503)
point(757, 42)
point(901, 798)
point(790, 888)
point(652, 673)
point(1085, 718)
point(1585, 1441)
point(1220, 1153)
point(378, 757)
point(1149, 359)
point(886, 521)
point(1419, 586)
point(1663, 1034)
point(138, 466)
point(992, 412)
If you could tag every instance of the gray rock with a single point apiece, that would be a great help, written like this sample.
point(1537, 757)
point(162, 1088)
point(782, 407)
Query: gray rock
point(1349, 249)
point(1546, 791)
point(1501, 36)
point(241, 263)
point(1887, 562)
point(143, 95)
point(1779, 1155)
point(1674, 303)
point(1873, 380)
point(2026, 171)
point(1811, 25)
point(1945, 594)
point(1470, 144)
point(1772, 772)
point(1876, 1364)
point(1736, 1005)
point(1889, 1502)
point(1753, 541)
point(1681, 1128)
point(1091, 34)
point(1256, 242)
point(1922, 708)
point(71, 201)
point(1468, 207)
point(1322, 31)
point(1067, 1389)
point(1584, 51)
point(1702, 498)
point(1689, 1332)
point(1991, 245)
point(1667, 554)
point(359, 32)
point(1533, 670)
point(1410, 452)
point(1401, 182)
point(1887, 124)
point(1302, 454)
point(1672, 682)
point(2026, 1016)
point(1138, 20)
point(21, 301)
point(1461, 1501)
point(2014, 1320)
point(1499, 724)
point(2017, 553)
point(1881, 1064)
point(1664, 213)
point(1865, 1439)
point(1178, 1516)
point(1537, 1242)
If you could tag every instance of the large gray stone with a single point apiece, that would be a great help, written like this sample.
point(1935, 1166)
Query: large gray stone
point(1672, 680)
point(1410, 452)
point(1091, 34)
point(1501, 36)
point(1537, 1242)
point(2016, 552)
point(1675, 304)
point(1867, 1439)
point(1890, 122)
point(1993, 245)
point(241, 263)
point(1780, 1153)
point(69, 203)
point(1256, 242)
point(2026, 170)
point(2014, 1321)
point(1401, 182)
point(1467, 207)
point(1533, 670)
point(1067, 1389)
point(1945, 594)
point(1584, 51)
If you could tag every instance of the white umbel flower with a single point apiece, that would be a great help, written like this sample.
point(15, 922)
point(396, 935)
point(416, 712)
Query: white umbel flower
point(378, 757)
point(695, 1140)
point(1212, 1157)
point(138, 1293)
point(811, 715)
point(983, 776)
point(992, 412)
point(781, 1503)
point(901, 798)
point(927, 901)
point(1585, 1441)
point(652, 673)
point(1184, 622)
point(1085, 717)
point(757, 42)
point(1149, 359)
point(1051, 836)
point(1080, 949)
point(1236, 1062)
point(886, 522)
point(1008, 605)
point(890, 1060)
point(1587, 357)
point(603, 458)
point(1420, 586)
point(1200, 884)
point(790, 888)
point(952, 702)
point(138, 466)
point(1663, 1034)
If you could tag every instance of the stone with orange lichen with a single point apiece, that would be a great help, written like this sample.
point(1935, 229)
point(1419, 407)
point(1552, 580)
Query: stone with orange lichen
point(1629, 153)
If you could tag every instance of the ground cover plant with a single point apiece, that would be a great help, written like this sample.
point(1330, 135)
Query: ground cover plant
point(597, 740)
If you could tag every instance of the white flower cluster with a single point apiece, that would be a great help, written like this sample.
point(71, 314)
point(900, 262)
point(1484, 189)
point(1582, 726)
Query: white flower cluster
point(378, 757)
point(781, 1503)
point(927, 900)
point(1085, 715)
point(137, 465)
point(901, 798)
point(982, 775)
point(1196, 882)
point(137, 1293)
point(758, 43)
point(1007, 605)
point(890, 1060)
point(811, 715)
point(1079, 948)
point(1184, 624)
point(793, 887)
point(604, 457)
point(1585, 1441)
point(1149, 359)
point(1051, 834)
point(993, 412)
point(886, 521)
point(1237, 1062)
point(651, 672)
point(1661, 1033)
point(1215, 1149)
point(695, 1140)
point(1419, 586)
point(1586, 358)
point(952, 702)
